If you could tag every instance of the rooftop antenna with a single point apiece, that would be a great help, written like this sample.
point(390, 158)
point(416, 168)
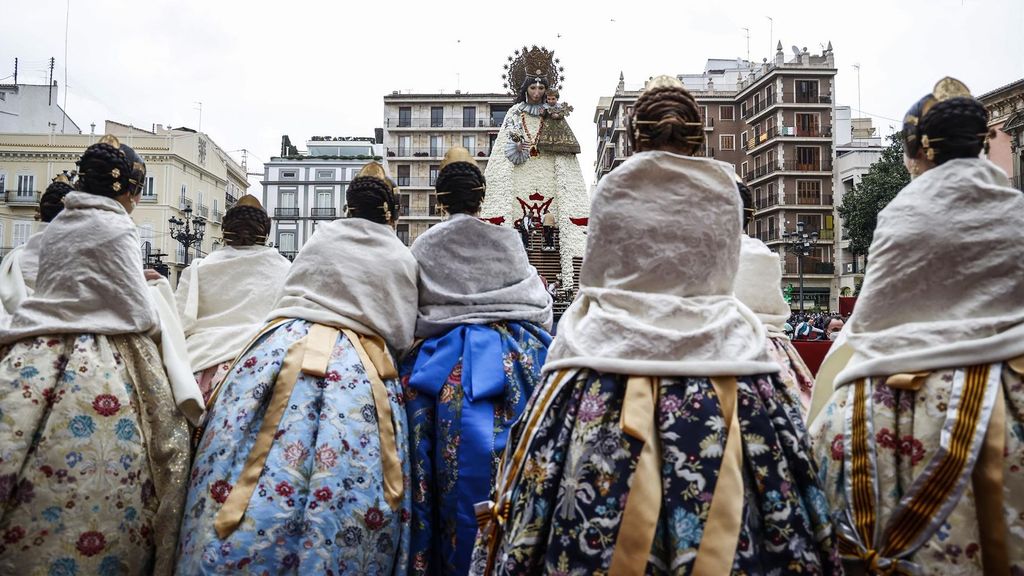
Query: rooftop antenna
point(200, 108)
point(64, 115)
point(747, 33)
point(860, 112)
point(771, 35)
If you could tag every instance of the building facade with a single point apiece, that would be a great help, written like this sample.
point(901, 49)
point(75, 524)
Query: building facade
point(184, 169)
point(857, 148)
point(33, 109)
point(304, 189)
point(1006, 118)
point(773, 122)
point(419, 129)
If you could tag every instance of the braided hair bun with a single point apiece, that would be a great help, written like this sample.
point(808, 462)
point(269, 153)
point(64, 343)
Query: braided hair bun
point(245, 226)
point(460, 188)
point(52, 201)
point(955, 128)
point(104, 170)
point(666, 116)
point(372, 199)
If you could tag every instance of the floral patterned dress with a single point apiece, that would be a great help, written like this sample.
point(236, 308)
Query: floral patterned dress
point(318, 506)
point(464, 389)
point(567, 504)
point(909, 428)
point(93, 457)
point(795, 375)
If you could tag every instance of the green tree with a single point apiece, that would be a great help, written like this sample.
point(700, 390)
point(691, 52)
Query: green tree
point(875, 190)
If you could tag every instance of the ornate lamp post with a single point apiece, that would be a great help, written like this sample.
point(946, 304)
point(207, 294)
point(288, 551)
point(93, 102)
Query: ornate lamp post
point(802, 244)
point(189, 231)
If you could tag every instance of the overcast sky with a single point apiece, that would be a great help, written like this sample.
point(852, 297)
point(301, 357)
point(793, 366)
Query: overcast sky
point(307, 68)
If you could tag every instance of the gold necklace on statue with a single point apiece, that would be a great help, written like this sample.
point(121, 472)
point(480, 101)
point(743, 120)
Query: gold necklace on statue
point(531, 139)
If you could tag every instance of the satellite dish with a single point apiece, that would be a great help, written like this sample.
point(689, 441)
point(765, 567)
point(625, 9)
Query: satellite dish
point(796, 50)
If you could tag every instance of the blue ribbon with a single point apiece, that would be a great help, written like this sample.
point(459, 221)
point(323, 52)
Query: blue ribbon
point(481, 350)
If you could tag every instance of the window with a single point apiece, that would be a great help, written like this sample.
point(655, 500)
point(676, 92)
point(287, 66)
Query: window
point(289, 174)
point(436, 116)
point(771, 192)
point(807, 158)
point(405, 117)
point(286, 241)
point(768, 95)
point(3, 183)
point(808, 192)
point(22, 230)
point(704, 116)
point(743, 168)
point(469, 143)
point(403, 175)
point(179, 253)
point(216, 209)
point(498, 112)
point(468, 116)
point(437, 146)
point(403, 233)
point(404, 200)
point(325, 174)
point(434, 170)
point(288, 198)
point(746, 143)
point(150, 188)
point(200, 199)
point(405, 145)
point(146, 240)
point(807, 125)
point(726, 113)
point(726, 142)
point(807, 91)
point(324, 197)
point(183, 201)
point(26, 185)
point(433, 211)
point(812, 222)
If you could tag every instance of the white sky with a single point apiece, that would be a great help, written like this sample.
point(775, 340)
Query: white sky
point(307, 68)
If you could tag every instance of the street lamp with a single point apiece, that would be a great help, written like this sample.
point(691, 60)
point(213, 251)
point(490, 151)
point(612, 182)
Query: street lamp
point(802, 244)
point(189, 231)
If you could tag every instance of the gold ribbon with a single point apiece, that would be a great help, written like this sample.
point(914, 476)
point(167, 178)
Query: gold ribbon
point(491, 516)
point(643, 504)
point(377, 362)
point(988, 493)
point(311, 355)
point(717, 549)
point(1017, 364)
point(907, 380)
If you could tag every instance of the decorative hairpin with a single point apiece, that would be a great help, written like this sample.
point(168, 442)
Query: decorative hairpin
point(387, 211)
point(116, 173)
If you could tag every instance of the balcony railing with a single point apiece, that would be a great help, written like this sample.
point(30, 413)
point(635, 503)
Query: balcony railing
point(415, 181)
point(149, 198)
point(403, 209)
point(769, 236)
point(323, 212)
point(823, 165)
point(787, 132)
point(26, 197)
point(763, 202)
point(444, 122)
point(810, 267)
point(286, 213)
point(218, 215)
point(815, 199)
point(289, 254)
point(430, 152)
point(787, 98)
point(203, 211)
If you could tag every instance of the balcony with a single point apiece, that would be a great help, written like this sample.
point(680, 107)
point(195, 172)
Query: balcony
point(769, 236)
point(22, 197)
point(218, 215)
point(812, 199)
point(430, 152)
point(810, 267)
point(203, 211)
point(786, 132)
point(289, 254)
point(292, 213)
point(755, 110)
point(319, 213)
point(149, 199)
point(453, 122)
point(415, 181)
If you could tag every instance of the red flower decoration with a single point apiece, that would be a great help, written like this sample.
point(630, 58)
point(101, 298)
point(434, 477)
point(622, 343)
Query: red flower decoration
point(106, 405)
point(220, 490)
point(91, 543)
point(886, 439)
point(910, 446)
point(250, 362)
point(14, 534)
point(284, 489)
point(837, 447)
point(374, 518)
point(323, 494)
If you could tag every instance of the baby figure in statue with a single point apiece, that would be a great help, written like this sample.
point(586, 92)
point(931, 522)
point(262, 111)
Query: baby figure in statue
point(556, 136)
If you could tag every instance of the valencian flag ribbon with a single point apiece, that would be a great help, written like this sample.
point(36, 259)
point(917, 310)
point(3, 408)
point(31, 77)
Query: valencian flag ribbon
point(482, 351)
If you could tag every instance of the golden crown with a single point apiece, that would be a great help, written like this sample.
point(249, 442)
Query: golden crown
point(532, 62)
